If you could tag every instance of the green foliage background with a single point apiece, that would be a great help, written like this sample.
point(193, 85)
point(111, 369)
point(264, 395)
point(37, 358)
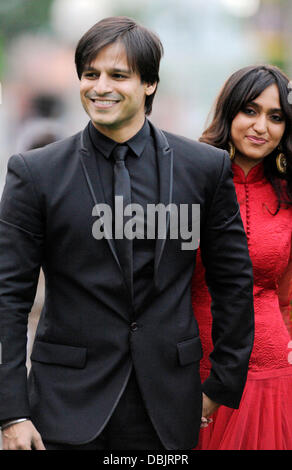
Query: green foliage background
point(18, 16)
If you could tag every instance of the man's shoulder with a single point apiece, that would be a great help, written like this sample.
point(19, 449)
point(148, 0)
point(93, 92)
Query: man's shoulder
point(176, 140)
point(194, 151)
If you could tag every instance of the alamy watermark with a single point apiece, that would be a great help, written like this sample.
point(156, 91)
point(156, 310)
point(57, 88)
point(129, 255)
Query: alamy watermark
point(179, 221)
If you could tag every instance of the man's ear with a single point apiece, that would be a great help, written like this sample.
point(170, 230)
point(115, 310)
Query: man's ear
point(150, 88)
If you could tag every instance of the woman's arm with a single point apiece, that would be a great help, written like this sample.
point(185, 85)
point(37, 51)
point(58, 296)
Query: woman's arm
point(285, 294)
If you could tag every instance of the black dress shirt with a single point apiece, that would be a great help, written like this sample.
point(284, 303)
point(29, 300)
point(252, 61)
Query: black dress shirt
point(141, 163)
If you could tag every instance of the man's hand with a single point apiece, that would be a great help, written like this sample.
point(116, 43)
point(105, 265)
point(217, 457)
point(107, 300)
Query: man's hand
point(22, 436)
point(208, 408)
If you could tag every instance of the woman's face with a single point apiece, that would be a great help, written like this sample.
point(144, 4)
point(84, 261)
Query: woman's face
point(258, 128)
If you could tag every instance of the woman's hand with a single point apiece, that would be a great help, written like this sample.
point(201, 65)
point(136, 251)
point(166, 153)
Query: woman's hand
point(208, 408)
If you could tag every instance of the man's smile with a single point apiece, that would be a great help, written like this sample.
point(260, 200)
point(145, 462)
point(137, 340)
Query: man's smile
point(102, 103)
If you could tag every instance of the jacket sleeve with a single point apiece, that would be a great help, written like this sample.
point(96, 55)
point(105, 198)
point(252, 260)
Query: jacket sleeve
point(21, 242)
point(229, 279)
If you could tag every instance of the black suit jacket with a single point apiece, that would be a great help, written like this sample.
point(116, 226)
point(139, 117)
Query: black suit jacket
point(89, 338)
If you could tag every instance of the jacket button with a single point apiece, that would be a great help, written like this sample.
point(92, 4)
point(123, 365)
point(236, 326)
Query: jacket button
point(134, 326)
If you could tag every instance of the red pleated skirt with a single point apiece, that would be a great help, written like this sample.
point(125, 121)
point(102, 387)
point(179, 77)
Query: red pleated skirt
point(263, 420)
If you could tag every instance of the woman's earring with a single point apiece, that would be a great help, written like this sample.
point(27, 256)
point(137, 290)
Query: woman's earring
point(281, 162)
point(231, 150)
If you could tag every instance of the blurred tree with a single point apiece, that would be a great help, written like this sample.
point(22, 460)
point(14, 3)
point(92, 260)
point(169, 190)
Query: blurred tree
point(17, 16)
point(23, 15)
point(1, 56)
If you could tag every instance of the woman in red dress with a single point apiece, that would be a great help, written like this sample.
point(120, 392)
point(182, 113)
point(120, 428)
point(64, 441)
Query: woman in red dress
point(253, 119)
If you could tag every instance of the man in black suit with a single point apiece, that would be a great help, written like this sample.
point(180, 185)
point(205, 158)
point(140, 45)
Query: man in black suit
point(115, 362)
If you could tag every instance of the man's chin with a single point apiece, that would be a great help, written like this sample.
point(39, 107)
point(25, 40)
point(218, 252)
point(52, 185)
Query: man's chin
point(105, 123)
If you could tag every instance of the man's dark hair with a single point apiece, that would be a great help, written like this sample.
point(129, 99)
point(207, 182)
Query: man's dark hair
point(143, 48)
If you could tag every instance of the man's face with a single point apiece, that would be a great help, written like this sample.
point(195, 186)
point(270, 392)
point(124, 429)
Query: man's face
point(112, 95)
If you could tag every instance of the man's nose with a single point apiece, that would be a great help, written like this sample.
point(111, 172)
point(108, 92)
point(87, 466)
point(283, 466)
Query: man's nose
point(260, 124)
point(103, 85)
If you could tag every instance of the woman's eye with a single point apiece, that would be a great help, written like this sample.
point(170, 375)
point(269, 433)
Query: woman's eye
point(249, 111)
point(277, 118)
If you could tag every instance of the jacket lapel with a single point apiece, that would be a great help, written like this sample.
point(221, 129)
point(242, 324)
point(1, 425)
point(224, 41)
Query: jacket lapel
point(165, 172)
point(93, 179)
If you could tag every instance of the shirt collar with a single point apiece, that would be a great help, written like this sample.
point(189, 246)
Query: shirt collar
point(255, 174)
point(106, 145)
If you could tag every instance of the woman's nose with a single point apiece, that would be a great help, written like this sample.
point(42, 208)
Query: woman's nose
point(260, 124)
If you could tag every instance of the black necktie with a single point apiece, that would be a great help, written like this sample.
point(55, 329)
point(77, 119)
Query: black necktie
point(122, 188)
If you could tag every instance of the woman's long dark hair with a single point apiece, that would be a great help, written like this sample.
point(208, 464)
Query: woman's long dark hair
point(241, 88)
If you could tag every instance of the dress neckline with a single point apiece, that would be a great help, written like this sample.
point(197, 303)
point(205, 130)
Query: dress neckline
point(255, 174)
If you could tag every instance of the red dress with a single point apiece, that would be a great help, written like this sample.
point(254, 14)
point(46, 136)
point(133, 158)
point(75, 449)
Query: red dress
point(264, 418)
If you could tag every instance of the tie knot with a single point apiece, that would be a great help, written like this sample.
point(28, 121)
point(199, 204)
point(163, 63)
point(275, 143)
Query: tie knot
point(120, 152)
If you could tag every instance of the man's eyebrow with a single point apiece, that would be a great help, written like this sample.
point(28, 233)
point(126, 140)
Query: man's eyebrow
point(113, 70)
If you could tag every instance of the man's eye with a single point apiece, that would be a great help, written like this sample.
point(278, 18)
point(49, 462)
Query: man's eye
point(90, 75)
point(119, 75)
